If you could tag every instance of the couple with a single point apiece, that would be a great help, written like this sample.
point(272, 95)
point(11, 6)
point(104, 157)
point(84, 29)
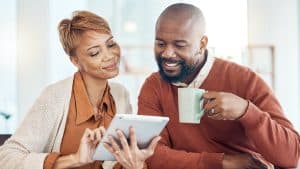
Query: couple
point(244, 126)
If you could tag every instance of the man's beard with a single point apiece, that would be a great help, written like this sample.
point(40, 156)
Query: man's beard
point(185, 70)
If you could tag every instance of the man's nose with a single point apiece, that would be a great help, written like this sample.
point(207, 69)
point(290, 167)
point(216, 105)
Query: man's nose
point(168, 52)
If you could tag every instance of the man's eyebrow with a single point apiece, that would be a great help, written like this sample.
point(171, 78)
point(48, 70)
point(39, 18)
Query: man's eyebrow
point(181, 41)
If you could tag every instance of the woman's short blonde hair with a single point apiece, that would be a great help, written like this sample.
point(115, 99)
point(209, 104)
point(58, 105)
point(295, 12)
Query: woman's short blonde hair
point(70, 30)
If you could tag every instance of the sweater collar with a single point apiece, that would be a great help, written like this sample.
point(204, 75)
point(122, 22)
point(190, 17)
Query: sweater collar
point(202, 75)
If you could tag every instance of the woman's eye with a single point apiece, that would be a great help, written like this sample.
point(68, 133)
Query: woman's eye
point(94, 54)
point(111, 44)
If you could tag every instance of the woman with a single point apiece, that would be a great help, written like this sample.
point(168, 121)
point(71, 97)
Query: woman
point(62, 128)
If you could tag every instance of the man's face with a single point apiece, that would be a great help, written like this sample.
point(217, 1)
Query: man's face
point(177, 50)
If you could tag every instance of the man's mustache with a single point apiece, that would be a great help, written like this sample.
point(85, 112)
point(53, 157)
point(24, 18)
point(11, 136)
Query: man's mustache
point(163, 60)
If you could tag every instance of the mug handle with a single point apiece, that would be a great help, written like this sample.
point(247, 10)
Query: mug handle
point(200, 99)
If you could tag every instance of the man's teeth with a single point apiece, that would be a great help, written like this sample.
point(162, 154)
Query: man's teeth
point(171, 64)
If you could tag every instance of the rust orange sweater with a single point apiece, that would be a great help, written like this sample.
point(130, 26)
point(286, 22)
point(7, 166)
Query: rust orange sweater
point(263, 129)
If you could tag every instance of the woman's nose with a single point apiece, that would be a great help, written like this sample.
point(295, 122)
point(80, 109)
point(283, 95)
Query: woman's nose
point(108, 55)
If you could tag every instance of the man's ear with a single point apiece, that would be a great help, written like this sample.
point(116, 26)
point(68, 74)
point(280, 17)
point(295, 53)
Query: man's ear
point(74, 60)
point(203, 43)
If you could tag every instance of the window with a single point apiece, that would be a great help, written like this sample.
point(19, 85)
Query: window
point(8, 90)
point(134, 30)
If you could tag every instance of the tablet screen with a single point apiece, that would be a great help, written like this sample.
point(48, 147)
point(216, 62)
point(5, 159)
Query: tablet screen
point(146, 128)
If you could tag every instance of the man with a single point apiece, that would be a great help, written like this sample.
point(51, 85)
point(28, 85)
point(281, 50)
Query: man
point(244, 124)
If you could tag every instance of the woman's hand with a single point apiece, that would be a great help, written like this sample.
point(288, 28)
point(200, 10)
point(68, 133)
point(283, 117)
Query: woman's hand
point(130, 156)
point(85, 152)
point(88, 144)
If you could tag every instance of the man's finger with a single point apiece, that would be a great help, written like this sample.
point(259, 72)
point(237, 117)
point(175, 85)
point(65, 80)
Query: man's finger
point(111, 150)
point(152, 145)
point(112, 141)
point(216, 115)
point(210, 95)
point(123, 141)
point(210, 104)
point(108, 147)
point(132, 136)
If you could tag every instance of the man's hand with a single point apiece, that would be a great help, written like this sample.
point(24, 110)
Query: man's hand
point(224, 106)
point(130, 156)
point(242, 161)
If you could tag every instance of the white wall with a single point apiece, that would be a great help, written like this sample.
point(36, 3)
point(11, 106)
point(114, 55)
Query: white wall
point(276, 22)
point(32, 51)
point(8, 64)
point(39, 53)
point(60, 65)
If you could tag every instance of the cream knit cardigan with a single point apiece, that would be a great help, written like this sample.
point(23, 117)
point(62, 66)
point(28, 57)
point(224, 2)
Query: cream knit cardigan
point(42, 129)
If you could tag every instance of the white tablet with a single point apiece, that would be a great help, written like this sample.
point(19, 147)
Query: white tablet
point(146, 128)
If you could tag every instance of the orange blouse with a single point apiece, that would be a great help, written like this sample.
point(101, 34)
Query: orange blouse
point(80, 117)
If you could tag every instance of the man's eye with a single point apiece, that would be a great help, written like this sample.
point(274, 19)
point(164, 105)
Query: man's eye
point(160, 44)
point(180, 45)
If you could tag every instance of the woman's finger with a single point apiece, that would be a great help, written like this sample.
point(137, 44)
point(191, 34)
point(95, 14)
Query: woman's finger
point(86, 135)
point(102, 130)
point(87, 132)
point(98, 135)
point(92, 135)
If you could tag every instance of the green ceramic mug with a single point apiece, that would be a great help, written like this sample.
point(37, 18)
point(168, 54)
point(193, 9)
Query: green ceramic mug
point(190, 105)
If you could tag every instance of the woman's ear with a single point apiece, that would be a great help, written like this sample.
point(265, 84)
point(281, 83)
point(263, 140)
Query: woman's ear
point(74, 60)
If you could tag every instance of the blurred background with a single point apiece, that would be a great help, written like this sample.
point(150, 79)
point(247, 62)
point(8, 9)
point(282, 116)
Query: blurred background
point(261, 34)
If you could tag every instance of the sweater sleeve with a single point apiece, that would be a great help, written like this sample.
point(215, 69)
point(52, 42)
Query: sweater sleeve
point(266, 125)
point(25, 149)
point(50, 160)
point(165, 156)
point(119, 166)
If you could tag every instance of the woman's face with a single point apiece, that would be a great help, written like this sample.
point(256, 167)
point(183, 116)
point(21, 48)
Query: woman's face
point(97, 55)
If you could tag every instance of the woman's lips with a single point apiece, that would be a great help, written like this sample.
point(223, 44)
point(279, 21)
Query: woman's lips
point(110, 67)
